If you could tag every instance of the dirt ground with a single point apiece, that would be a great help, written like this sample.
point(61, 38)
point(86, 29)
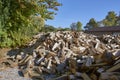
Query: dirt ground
point(7, 73)
point(3, 53)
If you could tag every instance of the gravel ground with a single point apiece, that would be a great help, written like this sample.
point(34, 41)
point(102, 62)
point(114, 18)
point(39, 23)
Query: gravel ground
point(12, 74)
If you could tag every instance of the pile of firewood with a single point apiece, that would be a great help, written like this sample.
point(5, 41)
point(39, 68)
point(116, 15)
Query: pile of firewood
point(71, 56)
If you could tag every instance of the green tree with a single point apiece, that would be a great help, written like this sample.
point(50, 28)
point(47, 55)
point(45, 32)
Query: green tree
point(17, 13)
point(65, 29)
point(48, 28)
point(118, 20)
point(100, 23)
point(23, 17)
point(73, 27)
point(38, 22)
point(79, 26)
point(76, 26)
point(91, 24)
point(110, 19)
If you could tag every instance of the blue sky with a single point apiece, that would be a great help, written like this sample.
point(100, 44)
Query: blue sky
point(82, 10)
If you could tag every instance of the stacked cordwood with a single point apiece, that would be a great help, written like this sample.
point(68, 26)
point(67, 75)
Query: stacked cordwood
point(71, 56)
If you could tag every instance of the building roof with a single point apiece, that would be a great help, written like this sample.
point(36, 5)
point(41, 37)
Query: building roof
point(105, 29)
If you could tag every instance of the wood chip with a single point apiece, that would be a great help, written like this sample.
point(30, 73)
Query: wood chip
point(67, 55)
point(114, 68)
point(85, 76)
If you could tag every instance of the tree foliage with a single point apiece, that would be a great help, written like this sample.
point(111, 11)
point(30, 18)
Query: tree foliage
point(118, 21)
point(79, 26)
point(110, 19)
point(49, 28)
point(76, 26)
point(23, 18)
point(63, 29)
point(91, 24)
point(73, 27)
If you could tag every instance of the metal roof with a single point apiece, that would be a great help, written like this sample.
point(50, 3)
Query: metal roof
point(105, 29)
